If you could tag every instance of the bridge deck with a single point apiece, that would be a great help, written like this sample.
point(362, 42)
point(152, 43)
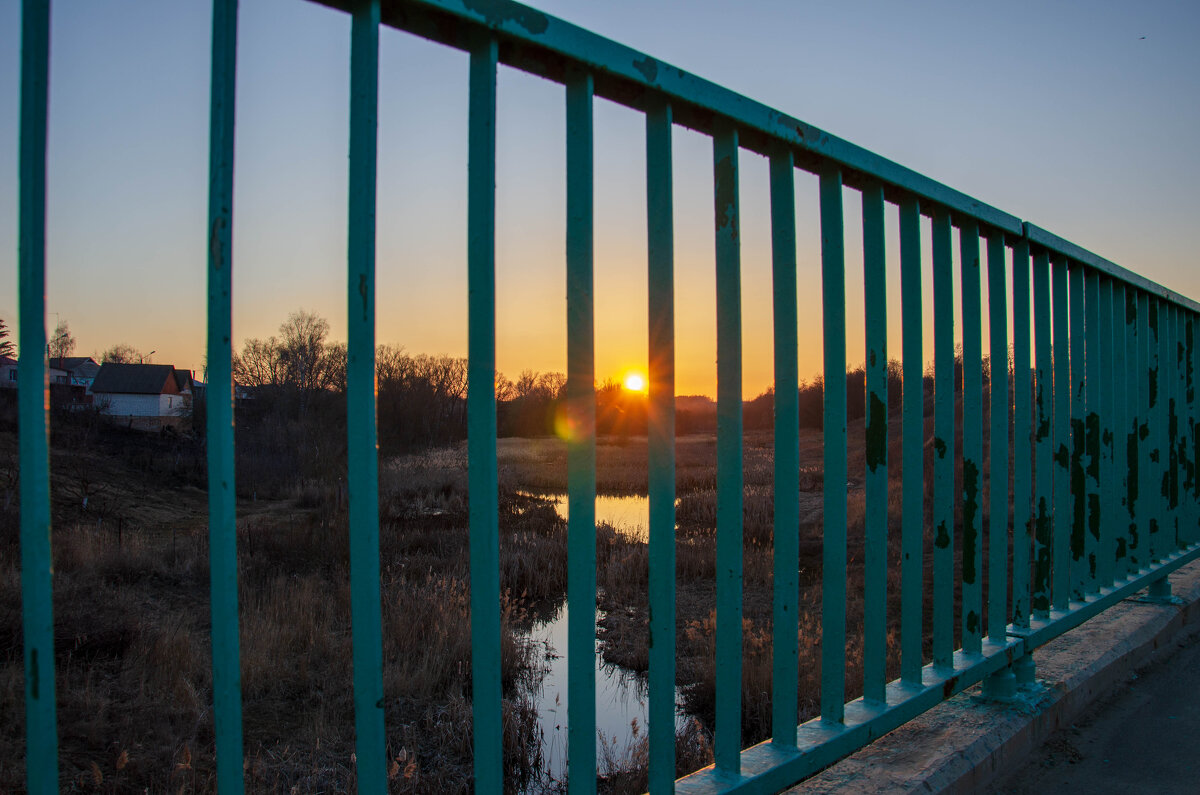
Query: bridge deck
point(963, 744)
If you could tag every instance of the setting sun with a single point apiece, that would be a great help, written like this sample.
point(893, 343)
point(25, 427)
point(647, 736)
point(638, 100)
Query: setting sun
point(635, 382)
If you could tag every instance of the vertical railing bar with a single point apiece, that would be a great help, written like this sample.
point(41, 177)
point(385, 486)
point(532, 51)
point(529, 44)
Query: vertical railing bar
point(1170, 457)
point(1187, 517)
point(833, 587)
point(1044, 438)
point(913, 440)
point(483, 487)
point(998, 493)
point(581, 442)
point(660, 240)
point(363, 448)
point(1133, 405)
point(1179, 442)
point(1147, 503)
point(222, 494)
point(37, 610)
point(1091, 398)
point(1108, 493)
point(1166, 364)
point(1179, 448)
point(1117, 427)
point(1157, 421)
point(1166, 530)
point(972, 436)
point(1193, 352)
point(1075, 276)
point(1186, 454)
point(1023, 430)
point(785, 637)
point(1170, 454)
point(944, 496)
point(876, 447)
point(1174, 461)
point(727, 752)
point(1183, 426)
point(1063, 390)
point(1183, 410)
point(1109, 497)
point(1163, 484)
point(1193, 432)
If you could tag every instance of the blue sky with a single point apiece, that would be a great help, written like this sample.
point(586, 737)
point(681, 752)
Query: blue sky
point(1059, 113)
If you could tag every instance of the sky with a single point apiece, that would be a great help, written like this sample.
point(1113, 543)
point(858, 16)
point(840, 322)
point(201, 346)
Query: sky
point(1078, 117)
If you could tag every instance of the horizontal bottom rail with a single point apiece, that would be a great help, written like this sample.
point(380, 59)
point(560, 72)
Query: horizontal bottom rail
point(1043, 630)
point(769, 767)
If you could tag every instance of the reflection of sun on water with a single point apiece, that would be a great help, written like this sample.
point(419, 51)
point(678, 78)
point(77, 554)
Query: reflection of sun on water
point(635, 382)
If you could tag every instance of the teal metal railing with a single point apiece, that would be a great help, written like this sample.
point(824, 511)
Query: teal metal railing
point(1105, 411)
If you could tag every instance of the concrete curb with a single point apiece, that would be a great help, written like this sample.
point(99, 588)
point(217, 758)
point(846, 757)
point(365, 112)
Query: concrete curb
point(964, 744)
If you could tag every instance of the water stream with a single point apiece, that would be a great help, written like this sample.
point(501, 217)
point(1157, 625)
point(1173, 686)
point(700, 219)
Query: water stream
point(628, 514)
point(621, 698)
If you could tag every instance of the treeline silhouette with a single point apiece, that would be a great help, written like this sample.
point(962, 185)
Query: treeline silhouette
point(291, 407)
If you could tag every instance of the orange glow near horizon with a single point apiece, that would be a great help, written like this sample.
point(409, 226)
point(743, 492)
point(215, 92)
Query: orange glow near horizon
point(635, 382)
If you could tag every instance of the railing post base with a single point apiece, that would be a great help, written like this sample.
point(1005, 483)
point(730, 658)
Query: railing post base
point(1159, 593)
point(1001, 686)
point(1025, 670)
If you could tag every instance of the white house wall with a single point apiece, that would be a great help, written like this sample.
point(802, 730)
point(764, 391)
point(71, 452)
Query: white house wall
point(170, 405)
point(131, 405)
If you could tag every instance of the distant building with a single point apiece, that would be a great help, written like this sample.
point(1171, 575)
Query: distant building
point(146, 395)
point(58, 378)
point(186, 381)
point(80, 370)
point(8, 372)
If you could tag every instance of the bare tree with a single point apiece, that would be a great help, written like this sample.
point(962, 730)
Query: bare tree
point(505, 390)
point(554, 385)
point(526, 384)
point(391, 364)
point(333, 370)
point(62, 344)
point(259, 364)
point(121, 353)
point(302, 351)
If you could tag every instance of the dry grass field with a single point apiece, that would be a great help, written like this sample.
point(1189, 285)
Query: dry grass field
point(132, 613)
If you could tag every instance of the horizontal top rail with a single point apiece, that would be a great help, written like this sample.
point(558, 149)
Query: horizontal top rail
point(541, 44)
point(1055, 244)
point(545, 45)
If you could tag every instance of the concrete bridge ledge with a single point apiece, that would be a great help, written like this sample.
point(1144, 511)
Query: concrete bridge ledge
point(965, 744)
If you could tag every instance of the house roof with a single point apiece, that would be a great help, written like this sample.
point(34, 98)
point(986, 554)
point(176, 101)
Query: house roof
point(133, 379)
point(183, 378)
point(5, 361)
point(85, 365)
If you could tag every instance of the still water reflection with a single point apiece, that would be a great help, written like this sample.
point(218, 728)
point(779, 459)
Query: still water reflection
point(626, 514)
point(621, 700)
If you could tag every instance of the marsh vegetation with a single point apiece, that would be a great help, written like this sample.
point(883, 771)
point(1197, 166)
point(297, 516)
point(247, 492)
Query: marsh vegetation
point(132, 602)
